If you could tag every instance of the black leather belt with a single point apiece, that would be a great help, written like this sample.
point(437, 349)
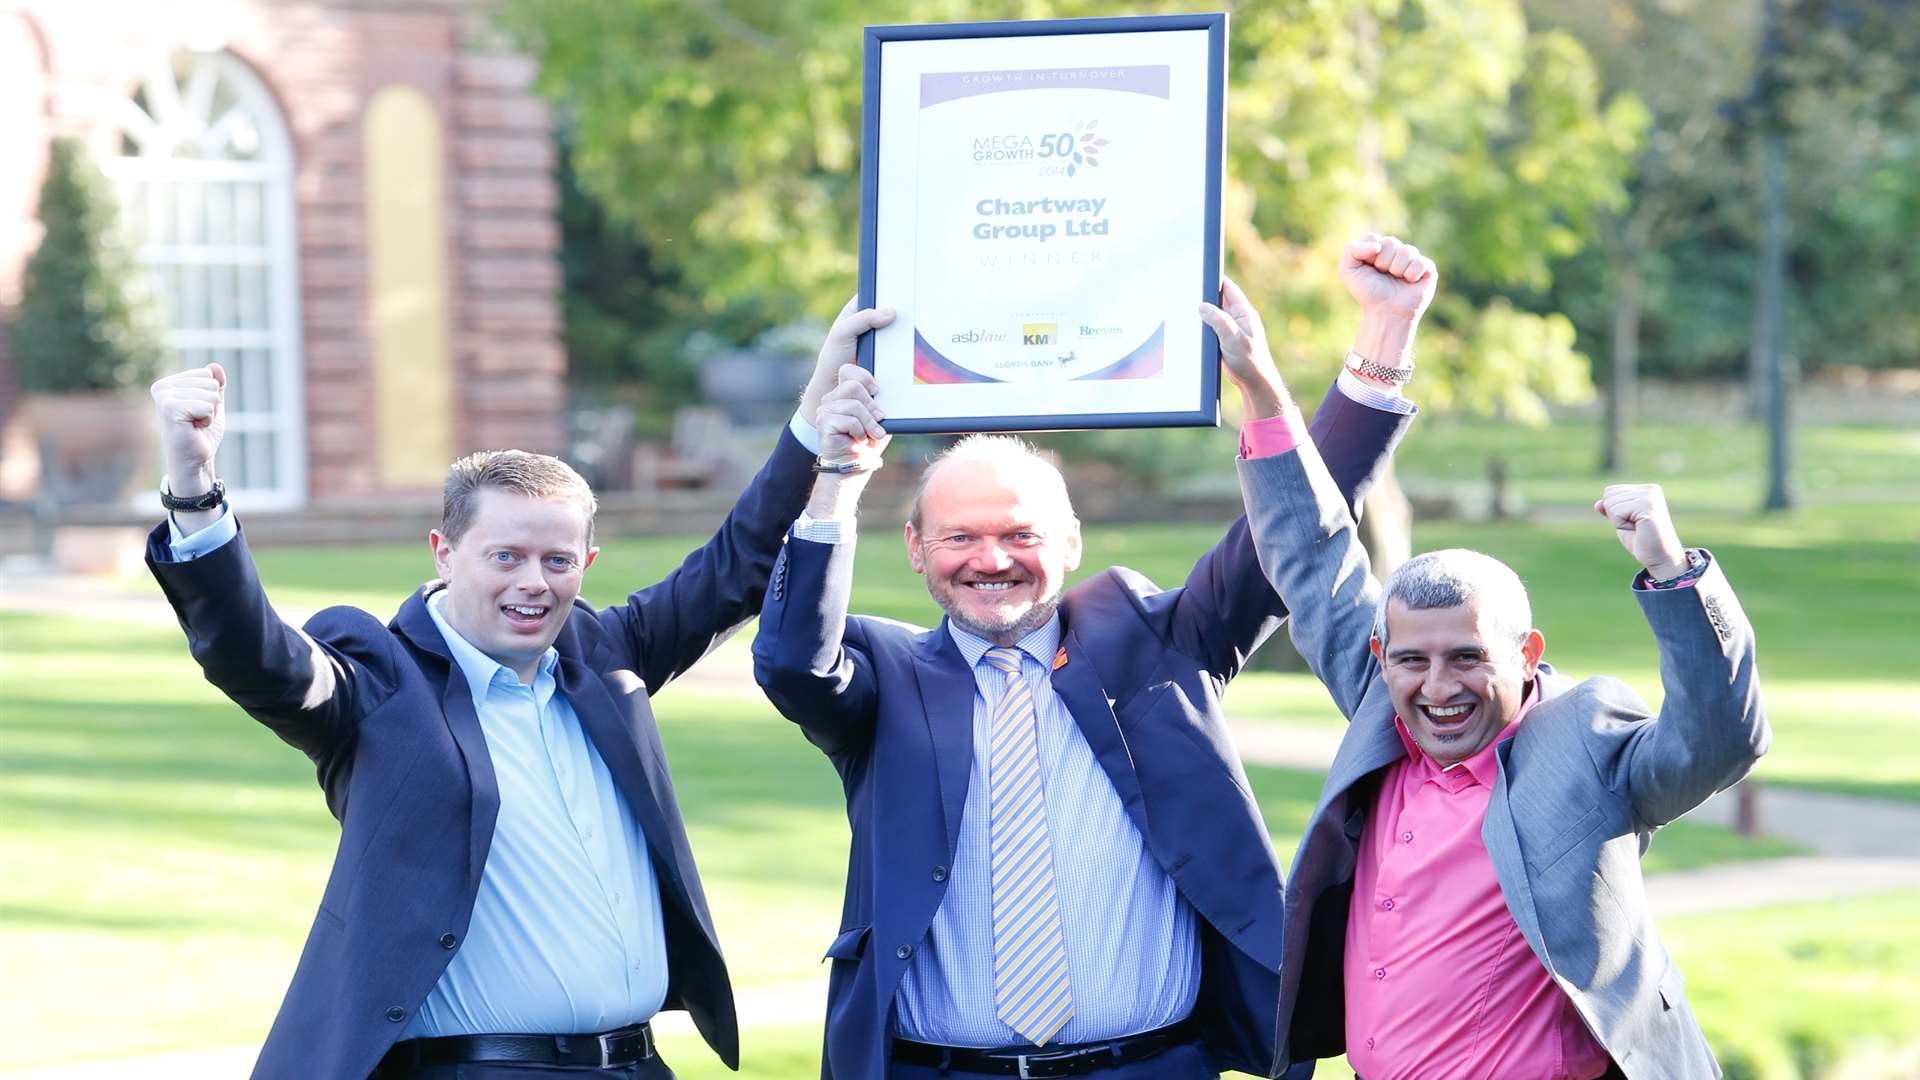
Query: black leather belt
point(624, 1046)
point(1074, 1060)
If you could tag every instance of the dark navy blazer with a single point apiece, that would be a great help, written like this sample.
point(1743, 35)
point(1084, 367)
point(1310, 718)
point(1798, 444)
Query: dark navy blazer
point(892, 704)
point(391, 727)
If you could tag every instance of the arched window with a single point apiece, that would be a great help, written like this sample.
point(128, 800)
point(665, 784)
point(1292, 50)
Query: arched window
point(205, 174)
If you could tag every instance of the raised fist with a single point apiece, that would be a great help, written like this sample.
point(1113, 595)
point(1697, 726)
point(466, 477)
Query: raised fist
point(191, 408)
point(1638, 514)
point(1388, 275)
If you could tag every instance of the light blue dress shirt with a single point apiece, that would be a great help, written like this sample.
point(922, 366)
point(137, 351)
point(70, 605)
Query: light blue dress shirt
point(1133, 957)
point(566, 934)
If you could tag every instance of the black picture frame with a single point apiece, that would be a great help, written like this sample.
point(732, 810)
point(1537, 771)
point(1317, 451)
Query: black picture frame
point(1207, 288)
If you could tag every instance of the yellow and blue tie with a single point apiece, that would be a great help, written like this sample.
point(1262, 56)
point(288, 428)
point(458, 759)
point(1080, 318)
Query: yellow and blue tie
point(1031, 992)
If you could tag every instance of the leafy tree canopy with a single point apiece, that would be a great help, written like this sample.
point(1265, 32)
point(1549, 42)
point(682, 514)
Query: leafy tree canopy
point(726, 134)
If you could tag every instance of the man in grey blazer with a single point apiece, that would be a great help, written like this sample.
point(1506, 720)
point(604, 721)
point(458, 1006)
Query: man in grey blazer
point(1480, 800)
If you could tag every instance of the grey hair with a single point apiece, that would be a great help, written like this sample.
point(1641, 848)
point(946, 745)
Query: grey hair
point(1456, 577)
point(990, 451)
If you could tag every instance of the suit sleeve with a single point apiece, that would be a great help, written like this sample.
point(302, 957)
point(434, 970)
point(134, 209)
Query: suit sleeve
point(1310, 551)
point(801, 656)
point(300, 684)
point(1711, 728)
point(720, 585)
point(1226, 609)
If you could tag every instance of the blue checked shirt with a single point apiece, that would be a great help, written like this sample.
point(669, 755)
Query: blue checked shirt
point(1133, 957)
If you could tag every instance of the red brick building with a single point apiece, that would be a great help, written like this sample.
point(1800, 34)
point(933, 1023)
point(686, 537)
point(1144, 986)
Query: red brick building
point(348, 203)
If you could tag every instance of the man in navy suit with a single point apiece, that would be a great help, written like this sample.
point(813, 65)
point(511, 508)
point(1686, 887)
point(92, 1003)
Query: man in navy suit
point(1057, 867)
point(513, 893)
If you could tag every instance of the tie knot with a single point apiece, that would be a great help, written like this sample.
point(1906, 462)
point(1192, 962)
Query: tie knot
point(1005, 658)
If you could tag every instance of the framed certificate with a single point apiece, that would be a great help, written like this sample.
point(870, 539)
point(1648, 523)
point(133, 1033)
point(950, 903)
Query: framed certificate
point(1040, 203)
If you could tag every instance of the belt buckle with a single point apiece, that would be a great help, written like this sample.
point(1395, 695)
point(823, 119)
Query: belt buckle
point(1044, 1064)
point(607, 1041)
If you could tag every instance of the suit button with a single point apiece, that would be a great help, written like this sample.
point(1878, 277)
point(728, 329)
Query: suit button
point(396, 1014)
point(448, 941)
point(939, 873)
point(904, 952)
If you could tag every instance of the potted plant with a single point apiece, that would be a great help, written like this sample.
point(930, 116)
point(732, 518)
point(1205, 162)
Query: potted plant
point(86, 339)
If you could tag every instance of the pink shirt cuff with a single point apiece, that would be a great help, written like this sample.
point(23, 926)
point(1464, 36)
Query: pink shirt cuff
point(1274, 435)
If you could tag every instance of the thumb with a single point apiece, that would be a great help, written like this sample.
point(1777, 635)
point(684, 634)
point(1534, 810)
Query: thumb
point(219, 375)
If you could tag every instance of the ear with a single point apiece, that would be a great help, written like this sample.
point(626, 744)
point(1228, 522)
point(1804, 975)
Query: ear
point(442, 549)
point(1373, 643)
point(1531, 649)
point(1074, 547)
point(913, 551)
point(592, 554)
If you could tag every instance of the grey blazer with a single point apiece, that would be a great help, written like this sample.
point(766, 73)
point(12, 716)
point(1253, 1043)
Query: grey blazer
point(1582, 786)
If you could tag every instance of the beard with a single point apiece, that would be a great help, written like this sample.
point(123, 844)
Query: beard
point(1000, 631)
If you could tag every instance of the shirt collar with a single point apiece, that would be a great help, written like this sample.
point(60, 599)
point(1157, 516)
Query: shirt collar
point(479, 668)
point(1482, 766)
point(1040, 644)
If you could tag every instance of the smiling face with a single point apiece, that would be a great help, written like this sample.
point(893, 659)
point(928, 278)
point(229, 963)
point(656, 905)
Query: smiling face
point(1457, 679)
point(996, 540)
point(513, 573)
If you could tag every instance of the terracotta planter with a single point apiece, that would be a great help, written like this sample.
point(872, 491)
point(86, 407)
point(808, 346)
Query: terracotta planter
point(96, 447)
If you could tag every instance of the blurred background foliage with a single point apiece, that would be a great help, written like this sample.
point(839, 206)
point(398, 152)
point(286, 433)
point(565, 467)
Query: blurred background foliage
point(1547, 154)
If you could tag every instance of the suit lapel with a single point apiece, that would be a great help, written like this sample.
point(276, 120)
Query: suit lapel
point(946, 699)
point(1497, 832)
point(1370, 744)
point(1078, 684)
point(456, 704)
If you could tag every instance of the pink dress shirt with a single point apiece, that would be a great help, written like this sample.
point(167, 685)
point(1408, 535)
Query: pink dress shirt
point(1439, 982)
point(1273, 435)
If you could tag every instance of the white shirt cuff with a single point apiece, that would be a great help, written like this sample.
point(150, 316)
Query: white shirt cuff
point(803, 430)
point(820, 530)
point(187, 547)
point(1373, 395)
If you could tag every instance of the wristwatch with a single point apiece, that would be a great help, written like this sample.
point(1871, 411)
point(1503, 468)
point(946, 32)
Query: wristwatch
point(213, 497)
point(1373, 369)
point(843, 468)
point(1696, 562)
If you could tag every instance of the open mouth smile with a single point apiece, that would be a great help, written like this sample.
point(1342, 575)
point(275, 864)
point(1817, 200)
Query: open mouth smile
point(524, 616)
point(1446, 719)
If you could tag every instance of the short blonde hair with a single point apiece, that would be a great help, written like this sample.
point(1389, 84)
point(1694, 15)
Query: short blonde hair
point(538, 476)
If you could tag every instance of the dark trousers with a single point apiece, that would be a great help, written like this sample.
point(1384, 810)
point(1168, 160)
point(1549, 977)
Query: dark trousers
point(650, 1069)
point(1186, 1062)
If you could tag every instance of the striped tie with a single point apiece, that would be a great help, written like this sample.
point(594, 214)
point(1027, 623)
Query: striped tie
point(1031, 993)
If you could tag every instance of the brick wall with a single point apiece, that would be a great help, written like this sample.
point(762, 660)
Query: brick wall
point(323, 61)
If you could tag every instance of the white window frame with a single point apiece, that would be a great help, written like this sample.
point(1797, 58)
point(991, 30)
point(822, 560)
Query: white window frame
point(177, 114)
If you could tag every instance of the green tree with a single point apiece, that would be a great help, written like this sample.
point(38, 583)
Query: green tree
point(85, 321)
point(1639, 48)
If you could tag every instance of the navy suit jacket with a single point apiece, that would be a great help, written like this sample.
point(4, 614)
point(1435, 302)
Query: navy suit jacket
point(390, 725)
point(891, 705)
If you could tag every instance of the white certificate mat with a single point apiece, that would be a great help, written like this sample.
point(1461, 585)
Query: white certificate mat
point(1045, 221)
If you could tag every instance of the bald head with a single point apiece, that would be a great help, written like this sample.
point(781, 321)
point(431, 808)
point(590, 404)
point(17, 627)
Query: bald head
point(1004, 460)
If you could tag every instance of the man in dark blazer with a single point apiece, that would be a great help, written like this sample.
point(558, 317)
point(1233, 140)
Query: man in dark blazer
point(1057, 866)
point(513, 891)
point(1467, 898)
